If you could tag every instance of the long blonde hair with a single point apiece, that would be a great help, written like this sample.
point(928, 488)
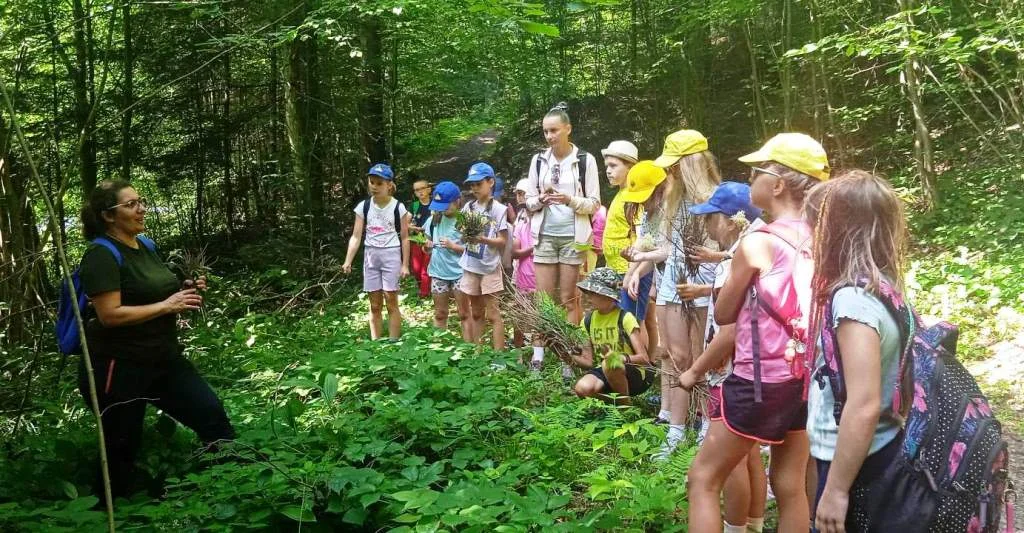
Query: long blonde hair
point(694, 178)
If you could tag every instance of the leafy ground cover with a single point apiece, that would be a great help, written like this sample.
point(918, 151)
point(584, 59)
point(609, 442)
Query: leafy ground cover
point(336, 432)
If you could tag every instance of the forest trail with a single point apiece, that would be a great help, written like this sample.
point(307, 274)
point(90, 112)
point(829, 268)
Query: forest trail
point(453, 164)
point(1003, 370)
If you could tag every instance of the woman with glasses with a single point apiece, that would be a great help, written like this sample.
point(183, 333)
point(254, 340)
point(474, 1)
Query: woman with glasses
point(564, 191)
point(132, 333)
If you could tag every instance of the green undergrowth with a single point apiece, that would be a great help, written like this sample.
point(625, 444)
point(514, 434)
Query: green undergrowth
point(968, 257)
point(340, 433)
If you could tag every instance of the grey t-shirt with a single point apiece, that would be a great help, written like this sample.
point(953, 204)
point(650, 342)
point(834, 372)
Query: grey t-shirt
point(480, 258)
point(854, 303)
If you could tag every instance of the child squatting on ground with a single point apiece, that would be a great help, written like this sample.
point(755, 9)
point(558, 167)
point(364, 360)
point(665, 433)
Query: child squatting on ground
point(614, 353)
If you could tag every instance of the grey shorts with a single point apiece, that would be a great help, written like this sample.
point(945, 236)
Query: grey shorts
point(382, 268)
point(556, 251)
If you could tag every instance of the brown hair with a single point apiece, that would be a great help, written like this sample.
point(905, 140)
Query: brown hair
point(860, 232)
point(797, 183)
point(102, 198)
point(560, 110)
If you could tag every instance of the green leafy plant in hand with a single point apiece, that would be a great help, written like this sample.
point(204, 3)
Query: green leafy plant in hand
point(471, 224)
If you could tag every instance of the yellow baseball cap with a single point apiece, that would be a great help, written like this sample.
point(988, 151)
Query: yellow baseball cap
point(795, 150)
point(678, 144)
point(641, 181)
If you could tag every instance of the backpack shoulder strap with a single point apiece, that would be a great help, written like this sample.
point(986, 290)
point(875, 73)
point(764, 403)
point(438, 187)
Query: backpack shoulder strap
point(105, 242)
point(623, 335)
point(536, 167)
point(398, 217)
point(147, 242)
point(581, 167)
point(366, 213)
point(586, 321)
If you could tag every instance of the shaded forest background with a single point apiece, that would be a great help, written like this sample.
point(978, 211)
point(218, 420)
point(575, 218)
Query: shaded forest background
point(239, 119)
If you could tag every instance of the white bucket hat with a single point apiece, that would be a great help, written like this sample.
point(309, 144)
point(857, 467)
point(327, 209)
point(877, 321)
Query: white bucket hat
point(623, 150)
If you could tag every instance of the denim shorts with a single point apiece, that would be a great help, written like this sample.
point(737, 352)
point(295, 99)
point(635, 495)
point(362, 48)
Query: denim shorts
point(643, 298)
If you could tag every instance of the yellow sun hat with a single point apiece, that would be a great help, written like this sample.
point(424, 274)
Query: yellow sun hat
point(795, 150)
point(641, 181)
point(678, 144)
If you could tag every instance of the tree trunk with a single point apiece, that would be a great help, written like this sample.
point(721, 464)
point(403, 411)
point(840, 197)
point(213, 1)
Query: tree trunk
point(128, 96)
point(922, 135)
point(82, 80)
point(371, 115)
point(302, 99)
point(225, 139)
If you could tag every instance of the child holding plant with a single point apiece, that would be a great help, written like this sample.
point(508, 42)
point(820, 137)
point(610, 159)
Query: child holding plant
point(443, 240)
point(692, 175)
point(382, 226)
point(728, 216)
point(614, 335)
point(762, 398)
point(420, 254)
point(484, 228)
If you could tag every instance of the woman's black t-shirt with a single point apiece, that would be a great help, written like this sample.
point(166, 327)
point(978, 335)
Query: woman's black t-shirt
point(142, 279)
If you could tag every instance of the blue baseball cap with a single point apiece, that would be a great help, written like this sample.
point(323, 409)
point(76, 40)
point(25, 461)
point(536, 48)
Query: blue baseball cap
point(381, 170)
point(499, 187)
point(445, 193)
point(729, 198)
point(479, 172)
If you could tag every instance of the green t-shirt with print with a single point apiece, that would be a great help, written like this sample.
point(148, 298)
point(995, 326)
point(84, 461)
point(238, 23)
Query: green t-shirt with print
point(604, 332)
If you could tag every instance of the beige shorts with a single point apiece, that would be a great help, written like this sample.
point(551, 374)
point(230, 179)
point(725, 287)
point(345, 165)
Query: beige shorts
point(475, 284)
point(556, 251)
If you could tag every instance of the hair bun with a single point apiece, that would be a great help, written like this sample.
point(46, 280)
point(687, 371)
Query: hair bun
point(560, 106)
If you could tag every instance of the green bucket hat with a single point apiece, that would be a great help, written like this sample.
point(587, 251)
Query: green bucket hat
point(603, 281)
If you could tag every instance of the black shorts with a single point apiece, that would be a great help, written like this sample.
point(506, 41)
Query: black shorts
point(638, 379)
point(781, 410)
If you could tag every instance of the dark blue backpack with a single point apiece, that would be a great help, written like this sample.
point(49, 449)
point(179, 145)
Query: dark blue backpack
point(951, 474)
point(68, 340)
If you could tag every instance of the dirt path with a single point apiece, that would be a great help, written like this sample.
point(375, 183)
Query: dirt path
point(453, 164)
point(1002, 377)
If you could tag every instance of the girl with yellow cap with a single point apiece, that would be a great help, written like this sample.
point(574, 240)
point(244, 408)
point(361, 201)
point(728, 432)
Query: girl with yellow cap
point(692, 177)
point(767, 297)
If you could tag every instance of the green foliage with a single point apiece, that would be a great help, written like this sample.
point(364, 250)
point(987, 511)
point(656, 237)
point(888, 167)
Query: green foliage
point(968, 257)
point(337, 432)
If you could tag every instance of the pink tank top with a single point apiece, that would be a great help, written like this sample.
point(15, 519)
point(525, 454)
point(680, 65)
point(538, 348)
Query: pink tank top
point(778, 289)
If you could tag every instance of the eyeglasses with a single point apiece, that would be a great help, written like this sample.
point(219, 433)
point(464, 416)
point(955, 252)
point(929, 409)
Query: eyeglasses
point(759, 170)
point(420, 189)
point(133, 204)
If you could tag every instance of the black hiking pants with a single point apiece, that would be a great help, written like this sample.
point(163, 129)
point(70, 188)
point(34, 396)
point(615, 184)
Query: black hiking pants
point(125, 387)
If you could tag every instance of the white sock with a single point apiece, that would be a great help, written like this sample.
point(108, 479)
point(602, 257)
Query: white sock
point(664, 414)
point(729, 528)
point(675, 432)
point(538, 354)
point(755, 525)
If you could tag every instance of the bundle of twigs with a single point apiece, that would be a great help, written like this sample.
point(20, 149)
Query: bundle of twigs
point(471, 224)
point(540, 314)
point(191, 263)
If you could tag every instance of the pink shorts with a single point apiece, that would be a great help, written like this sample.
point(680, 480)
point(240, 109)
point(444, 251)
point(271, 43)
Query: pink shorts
point(382, 268)
point(475, 284)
